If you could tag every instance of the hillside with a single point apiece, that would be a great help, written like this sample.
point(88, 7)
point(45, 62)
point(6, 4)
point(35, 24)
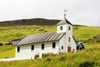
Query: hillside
point(89, 57)
point(34, 21)
point(81, 33)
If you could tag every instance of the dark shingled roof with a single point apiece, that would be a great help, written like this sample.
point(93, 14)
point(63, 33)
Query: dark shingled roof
point(64, 21)
point(43, 37)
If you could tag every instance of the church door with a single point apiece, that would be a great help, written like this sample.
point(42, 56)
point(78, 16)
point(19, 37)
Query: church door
point(69, 49)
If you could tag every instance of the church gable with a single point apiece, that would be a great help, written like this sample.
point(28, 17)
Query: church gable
point(64, 21)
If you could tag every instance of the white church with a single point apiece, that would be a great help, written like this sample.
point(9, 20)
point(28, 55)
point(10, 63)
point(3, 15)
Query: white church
point(58, 41)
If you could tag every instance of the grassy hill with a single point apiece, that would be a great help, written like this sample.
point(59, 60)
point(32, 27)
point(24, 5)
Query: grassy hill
point(89, 57)
point(81, 33)
point(34, 21)
point(13, 32)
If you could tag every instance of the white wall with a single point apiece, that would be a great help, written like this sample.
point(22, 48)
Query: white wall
point(73, 45)
point(62, 42)
point(60, 31)
point(25, 50)
point(65, 40)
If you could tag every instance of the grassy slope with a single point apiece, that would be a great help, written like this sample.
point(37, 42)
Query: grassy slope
point(11, 32)
point(7, 33)
point(88, 56)
point(7, 51)
point(83, 33)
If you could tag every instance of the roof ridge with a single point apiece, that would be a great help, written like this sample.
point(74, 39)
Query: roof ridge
point(64, 21)
point(41, 33)
point(42, 37)
point(68, 21)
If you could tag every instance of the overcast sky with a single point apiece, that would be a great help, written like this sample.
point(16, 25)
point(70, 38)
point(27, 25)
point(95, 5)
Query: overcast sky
point(84, 12)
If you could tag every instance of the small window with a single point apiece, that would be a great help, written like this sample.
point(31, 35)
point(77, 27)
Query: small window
point(69, 39)
point(32, 47)
point(42, 46)
point(62, 47)
point(73, 50)
point(61, 28)
point(18, 49)
point(80, 45)
point(53, 45)
point(69, 28)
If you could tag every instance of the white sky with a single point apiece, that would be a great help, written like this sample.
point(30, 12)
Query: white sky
point(84, 12)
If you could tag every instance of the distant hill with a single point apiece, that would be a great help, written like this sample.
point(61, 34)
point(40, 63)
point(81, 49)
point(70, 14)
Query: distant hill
point(34, 21)
point(78, 25)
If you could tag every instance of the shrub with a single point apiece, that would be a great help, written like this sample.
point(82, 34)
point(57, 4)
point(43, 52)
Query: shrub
point(36, 56)
point(48, 59)
point(87, 64)
point(44, 55)
point(62, 58)
point(61, 53)
point(6, 57)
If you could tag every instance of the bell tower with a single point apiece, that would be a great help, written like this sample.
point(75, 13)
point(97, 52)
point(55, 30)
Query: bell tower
point(64, 25)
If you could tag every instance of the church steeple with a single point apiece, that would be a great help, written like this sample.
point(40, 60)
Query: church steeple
point(64, 25)
point(65, 13)
point(64, 21)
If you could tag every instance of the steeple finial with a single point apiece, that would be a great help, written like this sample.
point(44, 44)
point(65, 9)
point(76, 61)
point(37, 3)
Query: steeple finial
point(65, 13)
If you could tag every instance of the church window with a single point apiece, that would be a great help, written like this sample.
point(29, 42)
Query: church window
point(62, 47)
point(53, 45)
point(69, 39)
point(32, 47)
point(73, 50)
point(18, 49)
point(42, 46)
point(61, 28)
point(69, 28)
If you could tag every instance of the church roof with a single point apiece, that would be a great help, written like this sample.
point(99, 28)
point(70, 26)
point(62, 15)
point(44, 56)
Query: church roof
point(39, 38)
point(64, 21)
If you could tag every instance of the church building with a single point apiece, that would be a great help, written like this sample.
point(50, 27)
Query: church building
point(55, 42)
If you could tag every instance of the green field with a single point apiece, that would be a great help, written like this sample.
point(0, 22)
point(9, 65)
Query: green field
point(13, 32)
point(89, 56)
point(81, 33)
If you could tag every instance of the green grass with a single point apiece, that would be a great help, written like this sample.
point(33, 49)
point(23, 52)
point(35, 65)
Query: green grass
point(7, 51)
point(84, 58)
point(81, 33)
point(13, 32)
point(89, 57)
point(84, 33)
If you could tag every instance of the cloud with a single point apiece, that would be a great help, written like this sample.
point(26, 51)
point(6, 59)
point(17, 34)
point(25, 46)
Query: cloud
point(84, 12)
